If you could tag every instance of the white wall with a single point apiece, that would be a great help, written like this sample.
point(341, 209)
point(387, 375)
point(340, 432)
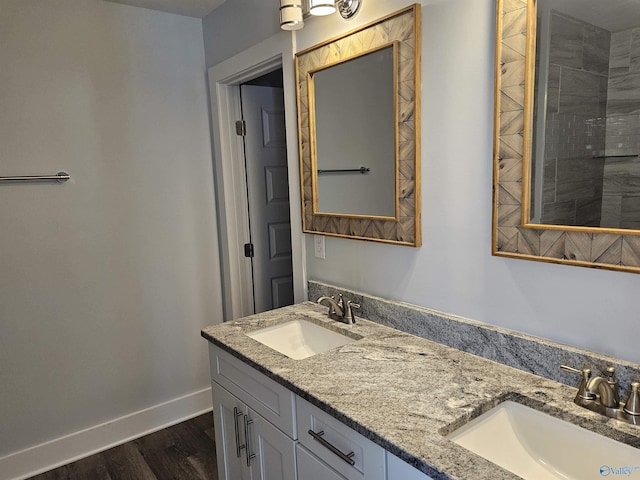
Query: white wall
point(105, 281)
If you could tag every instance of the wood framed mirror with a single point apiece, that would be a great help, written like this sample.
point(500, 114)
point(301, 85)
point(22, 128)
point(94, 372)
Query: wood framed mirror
point(566, 182)
point(358, 128)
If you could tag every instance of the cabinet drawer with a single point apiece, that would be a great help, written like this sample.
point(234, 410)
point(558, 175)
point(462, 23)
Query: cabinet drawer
point(310, 467)
point(266, 397)
point(368, 458)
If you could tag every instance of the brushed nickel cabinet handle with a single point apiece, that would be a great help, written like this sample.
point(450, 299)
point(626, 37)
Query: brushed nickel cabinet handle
point(347, 457)
point(247, 438)
point(237, 413)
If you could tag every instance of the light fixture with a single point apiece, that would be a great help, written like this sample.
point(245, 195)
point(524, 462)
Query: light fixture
point(291, 15)
point(348, 8)
point(322, 7)
point(291, 11)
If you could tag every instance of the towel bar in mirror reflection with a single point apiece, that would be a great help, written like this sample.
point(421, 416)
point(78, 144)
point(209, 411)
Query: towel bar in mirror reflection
point(59, 177)
point(361, 170)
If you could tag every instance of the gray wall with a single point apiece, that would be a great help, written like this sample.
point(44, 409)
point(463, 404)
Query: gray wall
point(106, 280)
point(454, 271)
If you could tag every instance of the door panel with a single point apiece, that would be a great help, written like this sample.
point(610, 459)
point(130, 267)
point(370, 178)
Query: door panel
point(279, 241)
point(273, 133)
point(282, 291)
point(275, 452)
point(277, 184)
point(268, 193)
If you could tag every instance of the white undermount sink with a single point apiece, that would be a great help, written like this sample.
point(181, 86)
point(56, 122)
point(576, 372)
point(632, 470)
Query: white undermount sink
point(300, 339)
point(537, 446)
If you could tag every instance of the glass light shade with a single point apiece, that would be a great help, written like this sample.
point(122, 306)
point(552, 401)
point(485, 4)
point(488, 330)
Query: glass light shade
point(322, 7)
point(291, 15)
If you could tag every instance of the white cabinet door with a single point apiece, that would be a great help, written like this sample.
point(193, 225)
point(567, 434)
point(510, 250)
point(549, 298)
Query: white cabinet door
point(274, 451)
point(311, 468)
point(248, 447)
point(228, 415)
point(399, 470)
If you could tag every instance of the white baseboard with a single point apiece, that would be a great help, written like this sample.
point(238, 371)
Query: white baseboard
point(63, 450)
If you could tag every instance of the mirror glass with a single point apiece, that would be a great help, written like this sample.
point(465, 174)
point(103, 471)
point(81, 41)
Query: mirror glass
point(353, 115)
point(585, 169)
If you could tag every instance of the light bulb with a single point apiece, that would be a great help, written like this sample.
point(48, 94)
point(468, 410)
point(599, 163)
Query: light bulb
point(322, 7)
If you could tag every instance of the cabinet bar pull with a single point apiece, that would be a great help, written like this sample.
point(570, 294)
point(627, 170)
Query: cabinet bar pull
point(247, 438)
point(347, 457)
point(237, 413)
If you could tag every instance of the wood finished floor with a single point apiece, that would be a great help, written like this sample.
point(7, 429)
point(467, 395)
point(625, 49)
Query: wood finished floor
point(185, 451)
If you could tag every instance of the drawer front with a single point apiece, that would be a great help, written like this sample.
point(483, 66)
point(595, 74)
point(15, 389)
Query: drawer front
point(309, 467)
point(266, 397)
point(368, 458)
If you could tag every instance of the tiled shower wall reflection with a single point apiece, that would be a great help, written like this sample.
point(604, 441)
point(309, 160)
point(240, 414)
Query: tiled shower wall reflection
point(576, 127)
point(591, 164)
point(621, 192)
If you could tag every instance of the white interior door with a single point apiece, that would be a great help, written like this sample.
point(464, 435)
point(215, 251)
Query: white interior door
point(268, 195)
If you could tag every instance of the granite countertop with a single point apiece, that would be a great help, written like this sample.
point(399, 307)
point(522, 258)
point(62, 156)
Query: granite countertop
point(404, 392)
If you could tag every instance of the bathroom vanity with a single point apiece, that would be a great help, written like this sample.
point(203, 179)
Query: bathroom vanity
point(380, 407)
point(263, 430)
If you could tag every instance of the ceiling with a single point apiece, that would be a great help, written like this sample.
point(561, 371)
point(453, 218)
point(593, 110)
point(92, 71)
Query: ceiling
point(190, 8)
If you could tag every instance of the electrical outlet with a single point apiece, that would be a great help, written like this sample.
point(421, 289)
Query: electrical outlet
point(318, 246)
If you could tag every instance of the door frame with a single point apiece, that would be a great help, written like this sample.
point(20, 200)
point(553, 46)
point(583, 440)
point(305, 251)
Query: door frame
point(229, 169)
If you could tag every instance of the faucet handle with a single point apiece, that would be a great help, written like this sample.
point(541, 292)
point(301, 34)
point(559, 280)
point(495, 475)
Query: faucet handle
point(582, 388)
point(610, 372)
point(632, 405)
point(348, 311)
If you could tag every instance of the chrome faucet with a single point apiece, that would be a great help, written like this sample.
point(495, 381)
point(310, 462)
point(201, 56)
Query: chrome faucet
point(342, 310)
point(600, 395)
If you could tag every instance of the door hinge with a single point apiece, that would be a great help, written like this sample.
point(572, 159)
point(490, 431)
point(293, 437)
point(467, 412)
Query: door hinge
point(241, 128)
point(248, 250)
